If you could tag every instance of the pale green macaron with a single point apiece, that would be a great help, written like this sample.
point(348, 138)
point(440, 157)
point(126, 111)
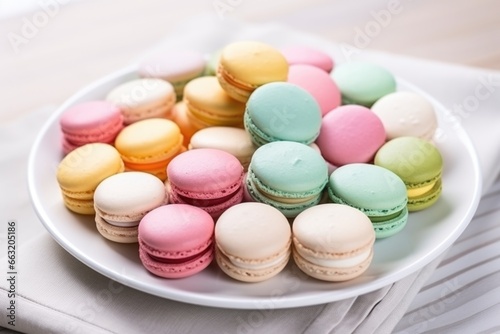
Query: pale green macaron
point(376, 191)
point(419, 164)
point(363, 83)
point(288, 176)
point(282, 111)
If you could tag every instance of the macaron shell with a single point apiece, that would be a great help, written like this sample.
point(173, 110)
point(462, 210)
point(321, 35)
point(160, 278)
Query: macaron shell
point(245, 275)
point(211, 105)
point(253, 63)
point(289, 169)
point(80, 206)
point(205, 173)
point(406, 114)
point(350, 134)
point(114, 233)
point(150, 140)
point(363, 83)
point(252, 234)
point(233, 140)
point(282, 111)
point(81, 171)
point(175, 271)
point(177, 67)
point(143, 98)
point(374, 190)
point(186, 126)
point(414, 160)
point(301, 54)
point(92, 121)
point(127, 197)
point(332, 274)
point(318, 83)
point(333, 231)
point(246, 65)
point(176, 231)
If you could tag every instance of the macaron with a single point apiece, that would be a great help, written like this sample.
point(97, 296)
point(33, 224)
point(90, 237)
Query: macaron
point(80, 172)
point(350, 134)
point(376, 191)
point(362, 82)
point(176, 240)
point(253, 242)
point(177, 67)
point(406, 114)
point(149, 145)
point(140, 99)
point(288, 176)
point(333, 242)
point(122, 200)
point(318, 83)
point(419, 164)
point(233, 140)
point(210, 179)
point(90, 122)
point(245, 65)
point(181, 118)
point(212, 62)
point(302, 54)
point(209, 105)
point(282, 111)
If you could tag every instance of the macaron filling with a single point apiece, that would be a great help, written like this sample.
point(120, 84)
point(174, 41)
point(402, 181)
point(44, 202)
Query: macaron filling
point(415, 192)
point(182, 260)
point(260, 265)
point(336, 263)
point(133, 223)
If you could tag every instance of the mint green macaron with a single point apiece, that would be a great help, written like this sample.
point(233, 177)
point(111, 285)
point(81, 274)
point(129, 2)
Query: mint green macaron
point(376, 191)
point(289, 176)
point(282, 111)
point(363, 83)
point(419, 164)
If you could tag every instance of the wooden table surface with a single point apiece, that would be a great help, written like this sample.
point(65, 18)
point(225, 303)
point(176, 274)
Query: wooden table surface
point(49, 53)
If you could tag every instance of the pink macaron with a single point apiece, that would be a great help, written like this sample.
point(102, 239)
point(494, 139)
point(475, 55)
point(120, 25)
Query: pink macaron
point(301, 54)
point(210, 179)
point(176, 240)
point(90, 122)
point(350, 134)
point(318, 83)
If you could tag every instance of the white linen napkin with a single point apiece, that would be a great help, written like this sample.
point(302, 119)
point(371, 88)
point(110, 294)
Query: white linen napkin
point(58, 294)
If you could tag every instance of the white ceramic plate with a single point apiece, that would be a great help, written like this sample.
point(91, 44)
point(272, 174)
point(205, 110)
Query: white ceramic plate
point(427, 234)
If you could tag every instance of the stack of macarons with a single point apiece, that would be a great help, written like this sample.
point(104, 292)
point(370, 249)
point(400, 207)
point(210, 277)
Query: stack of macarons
point(250, 158)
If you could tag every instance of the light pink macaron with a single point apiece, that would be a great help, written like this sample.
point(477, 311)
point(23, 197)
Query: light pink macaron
point(350, 134)
point(175, 66)
point(318, 83)
point(210, 179)
point(301, 54)
point(90, 122)
point(176, 240)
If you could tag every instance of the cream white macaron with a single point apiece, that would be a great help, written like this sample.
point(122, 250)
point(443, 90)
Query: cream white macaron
point(253, 242)
point(333, 242)
point(406, 114)
point(121, 202)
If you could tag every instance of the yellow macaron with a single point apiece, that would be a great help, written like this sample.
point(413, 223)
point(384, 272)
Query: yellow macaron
point(246, 65)
point(149, 145)
point(209, 105)
point(81, 171)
